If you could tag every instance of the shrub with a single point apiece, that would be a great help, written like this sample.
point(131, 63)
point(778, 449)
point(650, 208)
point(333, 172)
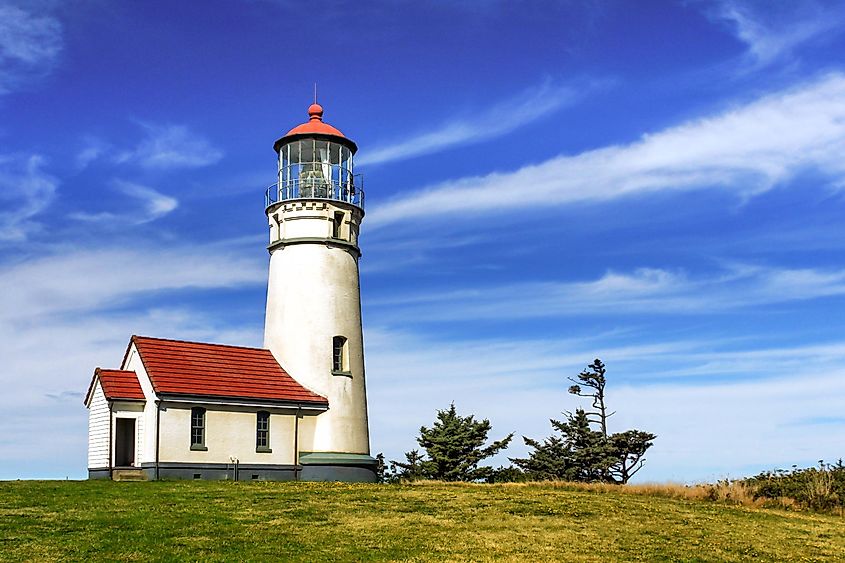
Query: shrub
point(817, 488)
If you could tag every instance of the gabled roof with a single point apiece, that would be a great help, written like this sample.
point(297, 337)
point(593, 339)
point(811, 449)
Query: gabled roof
point(117, 384)
point(176, 367)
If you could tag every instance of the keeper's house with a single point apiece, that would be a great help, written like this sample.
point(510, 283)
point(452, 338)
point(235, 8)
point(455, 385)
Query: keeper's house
point(169, 413)
point(191, 410)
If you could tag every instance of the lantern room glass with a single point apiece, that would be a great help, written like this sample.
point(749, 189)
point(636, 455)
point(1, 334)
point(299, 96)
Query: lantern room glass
point(316, 168)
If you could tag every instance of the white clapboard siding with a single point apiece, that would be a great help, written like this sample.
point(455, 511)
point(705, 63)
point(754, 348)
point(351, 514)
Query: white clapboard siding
point(139, 439)
point(98, 429)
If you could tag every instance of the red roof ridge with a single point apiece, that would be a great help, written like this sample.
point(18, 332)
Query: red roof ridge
point(217, 370)
point(135, 336)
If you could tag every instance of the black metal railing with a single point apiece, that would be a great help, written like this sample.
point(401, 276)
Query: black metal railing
point(350, 191)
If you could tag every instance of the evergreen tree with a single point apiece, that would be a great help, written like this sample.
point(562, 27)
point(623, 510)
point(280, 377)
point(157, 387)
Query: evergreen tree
point(581, 453)
point(551, 460)
point(409, 470)
point(628, 449)
point(381, 469)
point(454, 447)
point(594, 378)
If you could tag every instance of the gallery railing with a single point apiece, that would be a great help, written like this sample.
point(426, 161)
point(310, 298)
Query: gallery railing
point(350, 191)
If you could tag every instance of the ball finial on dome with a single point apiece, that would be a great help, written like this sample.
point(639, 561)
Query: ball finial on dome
point(315, 111)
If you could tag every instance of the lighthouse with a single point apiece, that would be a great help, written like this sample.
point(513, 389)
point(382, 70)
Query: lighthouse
point(313, 319)
point(295, 409)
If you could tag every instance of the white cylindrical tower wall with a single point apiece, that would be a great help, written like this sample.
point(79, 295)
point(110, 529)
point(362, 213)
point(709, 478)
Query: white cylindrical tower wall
point(313, 296)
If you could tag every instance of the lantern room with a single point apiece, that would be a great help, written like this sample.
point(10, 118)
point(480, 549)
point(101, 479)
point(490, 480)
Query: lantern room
point(315, 161)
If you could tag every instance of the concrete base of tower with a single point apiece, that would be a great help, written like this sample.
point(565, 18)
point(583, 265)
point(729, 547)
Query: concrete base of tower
point(332, 466)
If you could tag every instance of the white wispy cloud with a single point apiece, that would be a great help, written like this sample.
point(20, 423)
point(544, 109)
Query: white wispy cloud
point(69, 310)
point(746, 150)
point(737, 428)
point(26, 189)
point(392, 253)
point(87, 280)
point(753, 416)
point(497, 120)
point(154, 205)
point(93, 149)
point(772, 31)
point(30, 45)
point(171, 146)
point(643, 291)
point(46, 367)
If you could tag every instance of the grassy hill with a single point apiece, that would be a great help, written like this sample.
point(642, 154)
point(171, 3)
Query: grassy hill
point(225, 521)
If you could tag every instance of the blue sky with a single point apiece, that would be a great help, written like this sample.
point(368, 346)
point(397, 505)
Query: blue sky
point(658, 184)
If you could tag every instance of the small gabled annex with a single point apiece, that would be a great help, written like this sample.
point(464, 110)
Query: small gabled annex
point(195, 410)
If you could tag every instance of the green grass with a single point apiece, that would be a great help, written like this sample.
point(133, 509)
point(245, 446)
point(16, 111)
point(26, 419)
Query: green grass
point(262, 521)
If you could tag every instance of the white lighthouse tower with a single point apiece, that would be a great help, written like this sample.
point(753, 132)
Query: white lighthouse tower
point(313, 320)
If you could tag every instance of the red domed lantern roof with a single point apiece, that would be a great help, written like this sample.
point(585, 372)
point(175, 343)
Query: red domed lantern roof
point(315, 127)
point(315, 124)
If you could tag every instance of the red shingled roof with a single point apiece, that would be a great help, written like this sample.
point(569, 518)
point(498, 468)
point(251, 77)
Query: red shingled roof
point(195, 368)
point(117, 384)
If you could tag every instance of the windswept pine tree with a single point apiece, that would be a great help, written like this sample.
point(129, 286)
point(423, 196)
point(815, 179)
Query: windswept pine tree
point(581, 453)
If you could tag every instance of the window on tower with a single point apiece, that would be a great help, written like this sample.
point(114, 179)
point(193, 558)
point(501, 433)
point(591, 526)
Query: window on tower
point(337, 225)
point(198, 428)
point(339, 355)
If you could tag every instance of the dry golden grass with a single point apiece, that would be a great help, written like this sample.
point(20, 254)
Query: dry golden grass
point(726, 492)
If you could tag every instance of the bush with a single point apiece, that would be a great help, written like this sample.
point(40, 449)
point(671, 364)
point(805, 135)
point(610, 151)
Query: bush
point(509, 474)
point(817, 488)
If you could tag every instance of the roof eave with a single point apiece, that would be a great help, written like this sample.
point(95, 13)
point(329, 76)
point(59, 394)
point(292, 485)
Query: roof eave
point(243, 401)
point(126, 399)
point(87, 400)
point(325, 136)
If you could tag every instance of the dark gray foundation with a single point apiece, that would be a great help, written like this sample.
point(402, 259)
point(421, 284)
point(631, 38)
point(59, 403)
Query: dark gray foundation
point(220, 471)
point(343, 473)
point(98, 473)
point(364, 473)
